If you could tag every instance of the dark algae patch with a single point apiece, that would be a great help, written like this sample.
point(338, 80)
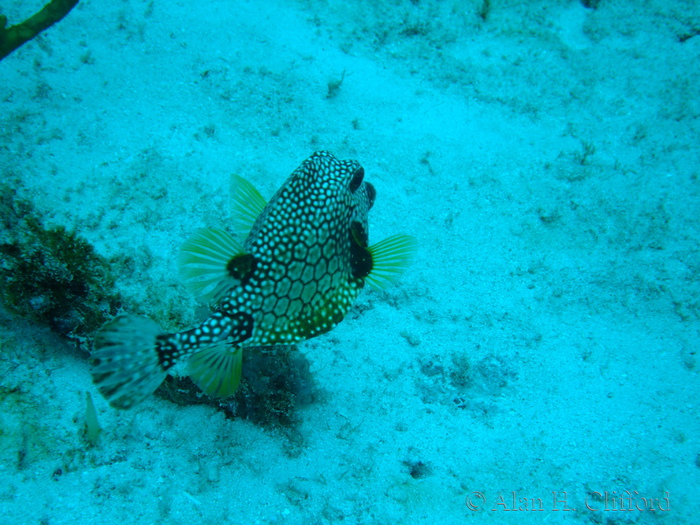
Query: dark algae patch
point(51, 275)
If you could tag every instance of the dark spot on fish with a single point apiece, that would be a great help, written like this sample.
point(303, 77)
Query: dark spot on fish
point(371, 195)
point(242, 266)
point(168, 352)
point(244, 324)
point(360, 256)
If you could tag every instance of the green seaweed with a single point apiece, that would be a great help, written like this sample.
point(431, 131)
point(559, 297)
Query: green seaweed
point(51, 275)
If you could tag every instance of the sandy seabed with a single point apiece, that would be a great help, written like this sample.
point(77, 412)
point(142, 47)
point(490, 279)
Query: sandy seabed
point(537, 364)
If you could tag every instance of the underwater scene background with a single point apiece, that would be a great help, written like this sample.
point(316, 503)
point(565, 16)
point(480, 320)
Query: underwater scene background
point(537, 363)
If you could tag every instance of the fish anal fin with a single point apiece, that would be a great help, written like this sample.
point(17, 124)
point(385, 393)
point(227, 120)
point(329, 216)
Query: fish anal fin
point(217, 369)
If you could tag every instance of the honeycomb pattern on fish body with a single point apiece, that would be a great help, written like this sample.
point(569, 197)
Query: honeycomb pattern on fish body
point(303, 283)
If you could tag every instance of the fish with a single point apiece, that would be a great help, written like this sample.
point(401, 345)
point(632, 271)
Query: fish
point(303, 262)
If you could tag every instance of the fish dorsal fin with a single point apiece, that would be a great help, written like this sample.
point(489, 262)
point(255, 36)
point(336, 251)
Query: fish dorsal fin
point(204, 263)
point(390, 258)
point(217, 369)
point(246, 205)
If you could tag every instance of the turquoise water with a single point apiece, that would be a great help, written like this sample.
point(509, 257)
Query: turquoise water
point(537, 363)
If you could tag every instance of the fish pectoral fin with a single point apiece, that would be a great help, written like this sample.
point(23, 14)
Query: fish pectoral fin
point(390, 258)
point(217, 369)
point(204, 263)
point(246, 205)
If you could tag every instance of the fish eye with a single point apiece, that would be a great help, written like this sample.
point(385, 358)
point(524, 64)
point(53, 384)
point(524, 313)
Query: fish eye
point(357, 178)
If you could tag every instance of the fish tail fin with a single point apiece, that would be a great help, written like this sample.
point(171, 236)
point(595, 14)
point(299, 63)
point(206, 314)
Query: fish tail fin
point(131, 358)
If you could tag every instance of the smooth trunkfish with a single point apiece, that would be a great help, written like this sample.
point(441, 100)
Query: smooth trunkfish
point(305, 258)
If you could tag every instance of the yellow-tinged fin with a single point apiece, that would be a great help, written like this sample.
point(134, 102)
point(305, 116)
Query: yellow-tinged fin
point(246, 205)
point(217, 369)
point(390, 258)
point(203, 263)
